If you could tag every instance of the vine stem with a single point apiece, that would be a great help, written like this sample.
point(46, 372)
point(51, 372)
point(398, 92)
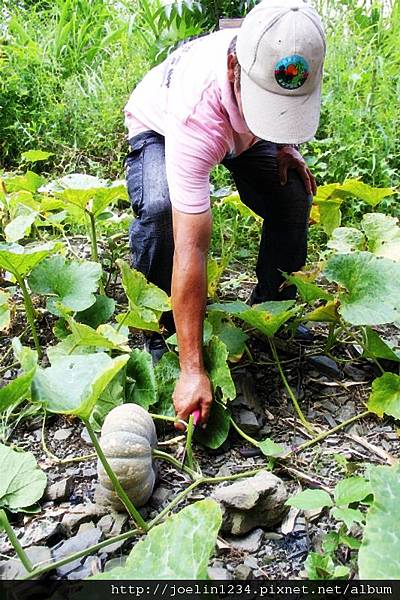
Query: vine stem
point(15, 543)
point(365, 349)
point(53, 457)
point(289, 390)
point(188, 446)
point(243, 434)
point(30, 314)
point(136, 516)
point(64, 561)
point(175, 462)
point(93, 240)
point(325, 434)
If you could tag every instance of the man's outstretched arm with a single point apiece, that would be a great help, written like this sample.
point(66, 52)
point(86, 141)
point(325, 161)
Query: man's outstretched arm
point(192, 233)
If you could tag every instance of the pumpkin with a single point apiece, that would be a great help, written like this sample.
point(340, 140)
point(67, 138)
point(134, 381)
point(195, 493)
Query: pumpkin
point(127, 438)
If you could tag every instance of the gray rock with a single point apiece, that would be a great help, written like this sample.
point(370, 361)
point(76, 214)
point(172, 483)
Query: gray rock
point(75, 544)
point(159, 496)
point(105, 524)
point(224, 471)
point(86, 437)
point(216, 573)
point(90, 566)
point(40, 531)
point(251, 562)
point(248, 543)
point(327, 365)
point(60, 490)
point(14, 569)
point(62, 434)
point(81, 513)
point(354, 373)
point(242, 572)
point(347, 411)
point(89, 472)
point(257, 501)
point(248, 421)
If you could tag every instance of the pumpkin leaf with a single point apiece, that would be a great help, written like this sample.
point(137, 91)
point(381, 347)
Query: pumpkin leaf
point(83, 335)
point(215, 356)
point(321, 566)
point(348, 516)
point(98, 313)
point(231, 335)
point(166, 371)
point(22, 483)
point(20, 260)
point(372, 284)
point(18, 390)
point(19, 227)
point(146, 301)
point(112, 396)
point(179, 548)
point(330, 215)
point(363, 191)
point(310, 500)
point(383, 235)
point(378, 347)
point(328, 313)
point(217, 430)
point(36, 155)
point(140, 369)
point(379, 555)
point(309, 292)
point(352, 489)
point(385, 396)
point(30, 182)
point(5, 314)
point(73, 384)
point(71, 282)
point(346, 239)
point(267, 317)
point(270, 448)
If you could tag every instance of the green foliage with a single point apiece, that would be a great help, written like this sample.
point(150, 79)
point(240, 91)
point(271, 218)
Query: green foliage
point(216, 356)
point(379, 554)
point(166, 372)
point(69, 282)
point(178, 549)
point(385, 396)
point(310, 499)
point(20, 260)
point(267, 317)
point(217, 429)
point(142, 388)
point(319, 566)
point(5, 315)
point(372, 284)
point(73, 384)
point(376, 346)
point(22, 482)
point(98, 313)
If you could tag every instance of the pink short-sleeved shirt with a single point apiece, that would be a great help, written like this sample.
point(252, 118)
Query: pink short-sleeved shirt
point(189, 100)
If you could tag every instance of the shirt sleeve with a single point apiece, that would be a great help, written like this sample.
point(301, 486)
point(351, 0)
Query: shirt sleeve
point(192, 149)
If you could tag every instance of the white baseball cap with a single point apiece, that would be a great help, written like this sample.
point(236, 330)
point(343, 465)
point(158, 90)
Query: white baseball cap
point(281, 49)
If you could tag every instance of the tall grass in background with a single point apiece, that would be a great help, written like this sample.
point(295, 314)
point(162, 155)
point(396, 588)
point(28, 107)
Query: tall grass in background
point(67, 68)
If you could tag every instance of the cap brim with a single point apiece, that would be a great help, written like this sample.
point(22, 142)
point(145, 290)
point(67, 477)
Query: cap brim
point(283, 119)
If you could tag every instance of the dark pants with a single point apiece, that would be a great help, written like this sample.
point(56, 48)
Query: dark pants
point(285, 210)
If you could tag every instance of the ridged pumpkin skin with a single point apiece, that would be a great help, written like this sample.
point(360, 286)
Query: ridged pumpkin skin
point(127, 438)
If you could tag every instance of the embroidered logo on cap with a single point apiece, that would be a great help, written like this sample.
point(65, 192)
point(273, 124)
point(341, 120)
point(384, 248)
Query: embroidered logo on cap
point(292, 72)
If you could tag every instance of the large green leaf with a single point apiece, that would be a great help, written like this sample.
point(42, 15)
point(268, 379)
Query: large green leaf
point(330, 214)
point(328, 313)
point(112, 396)
point(20, 260)
point(36, 155)
point(143, 390)
point(22, 483)
point(71, 282)
point(346, 239)
point(310, 500)
point(385, 396)
point(372, 284)
point(19, 227)
point(167, 371)
point(73, 384)
point(93, 200)
point(309, 292)
point(270, 448)
point(378, 347)
point(30, 182)
point(319, 566)
point(383, 235)
point(363, 191)
point(99, 312)
point(233, 337)
point(379, 555)
point(104, 337)
point(352, 489)
point(5, 314)
point(179, 548)
point(17, 390)
point(217, 430)
point(216, 356)
point(267, 317)
point(146, 301)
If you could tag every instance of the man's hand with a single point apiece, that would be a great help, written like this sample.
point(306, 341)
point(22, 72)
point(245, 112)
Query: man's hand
point(192, 392)
point(290, 158)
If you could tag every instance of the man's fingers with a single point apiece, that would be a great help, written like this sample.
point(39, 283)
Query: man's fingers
point(313, 183)
point(304, 173)
point(282, 169)
point(205, 407)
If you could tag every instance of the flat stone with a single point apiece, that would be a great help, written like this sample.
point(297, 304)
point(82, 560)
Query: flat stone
point(249, 543)
point(355, 374)
point(248, 421)
point(326, 365)
point(86, 437)
point(253, 502)
point(242, 572)
point(78, 542)
point(62, 434)
point(216, 573)
point(81, 513)
point(112, 525)
point(105, 524)
point(90, 566)
point(347, 411)
point(14, 569)
point(159, 496)
point(60, 490)
point(41, 531)
point(251, 562)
